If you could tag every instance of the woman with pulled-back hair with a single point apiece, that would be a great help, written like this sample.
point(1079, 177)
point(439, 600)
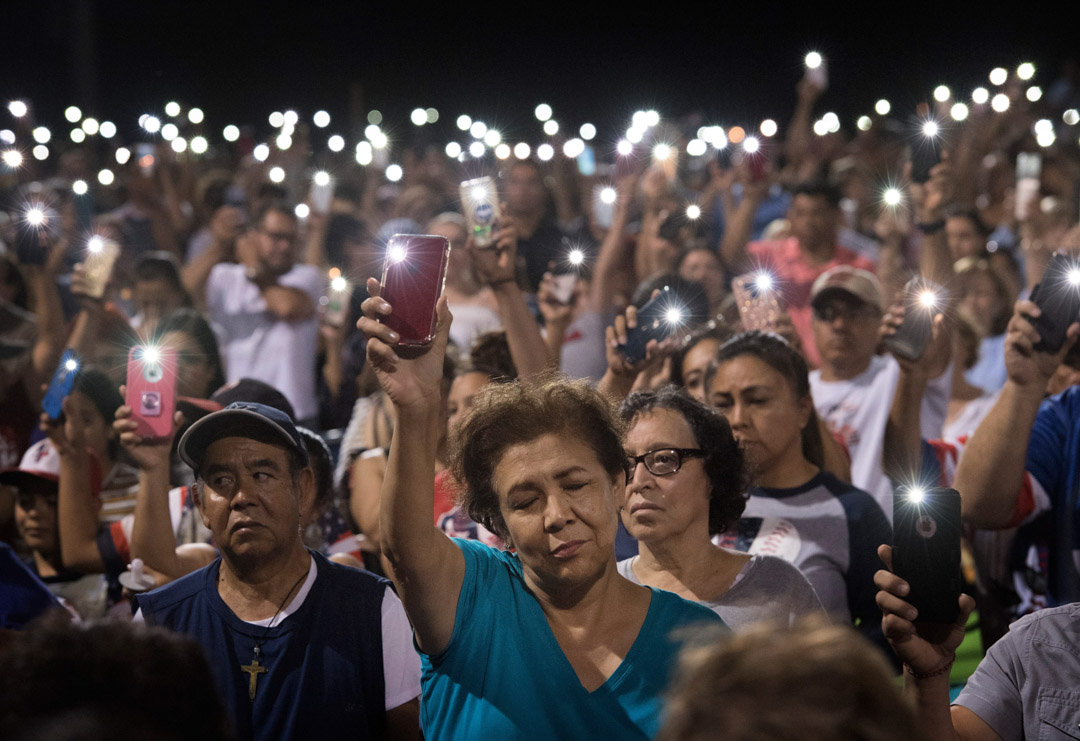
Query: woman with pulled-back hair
point(796, 510)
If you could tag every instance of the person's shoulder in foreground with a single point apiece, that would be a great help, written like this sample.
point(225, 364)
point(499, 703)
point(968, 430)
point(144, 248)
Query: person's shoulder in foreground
point(1027, 683)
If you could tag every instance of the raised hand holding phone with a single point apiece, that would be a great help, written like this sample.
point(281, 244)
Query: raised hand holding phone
point(414, 273)
point(410, 379)
point(67, 370)
point(151, 390)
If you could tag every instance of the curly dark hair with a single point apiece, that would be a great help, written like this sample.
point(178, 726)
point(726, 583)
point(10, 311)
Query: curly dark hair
point(775, 352)
point(724, 463)
point(490, 354)
point(508, 414)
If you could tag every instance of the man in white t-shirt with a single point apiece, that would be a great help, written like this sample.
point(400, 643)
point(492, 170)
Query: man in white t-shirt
point(853, 390)
point(266, 313)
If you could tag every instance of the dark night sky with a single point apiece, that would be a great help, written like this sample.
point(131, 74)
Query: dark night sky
point(239, 61)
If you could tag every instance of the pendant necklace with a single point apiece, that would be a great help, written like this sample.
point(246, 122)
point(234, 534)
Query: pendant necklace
point(254, 669)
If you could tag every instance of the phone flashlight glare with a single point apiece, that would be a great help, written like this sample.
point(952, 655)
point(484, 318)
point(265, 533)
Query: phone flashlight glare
point(916, 494)
point(397, 253)
point(71, 365)
point(339, 283)
point(763, 281)
point(576, 257)
point(673, 315)
point(928, 299)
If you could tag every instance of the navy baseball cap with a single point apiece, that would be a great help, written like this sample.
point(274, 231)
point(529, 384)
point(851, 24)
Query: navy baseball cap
point(240, 419)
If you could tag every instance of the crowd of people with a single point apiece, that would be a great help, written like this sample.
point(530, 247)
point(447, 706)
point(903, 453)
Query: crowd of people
point(522, 527)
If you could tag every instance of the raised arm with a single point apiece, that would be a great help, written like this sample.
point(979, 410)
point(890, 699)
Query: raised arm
point(426, 567)
point(496, 266)
point(76, 509)
point(990, 473)
point(152, 536)
point(615, 254)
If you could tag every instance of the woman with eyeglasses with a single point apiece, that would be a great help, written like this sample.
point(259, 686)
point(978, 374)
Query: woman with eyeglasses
point(796, 510)
point(685, 484)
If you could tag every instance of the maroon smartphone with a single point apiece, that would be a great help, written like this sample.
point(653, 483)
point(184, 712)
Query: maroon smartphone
point(412, 281)
point(151, 389)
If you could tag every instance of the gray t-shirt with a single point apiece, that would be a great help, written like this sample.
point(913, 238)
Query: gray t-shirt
point(1028, 684)
point(766, 588)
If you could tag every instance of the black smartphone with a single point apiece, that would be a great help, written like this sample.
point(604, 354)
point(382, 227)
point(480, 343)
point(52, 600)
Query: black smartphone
point(1058, 297)
point(925, 155)
point(926, 550)
point(36, 228)
point(923, 300)
point(662, 315)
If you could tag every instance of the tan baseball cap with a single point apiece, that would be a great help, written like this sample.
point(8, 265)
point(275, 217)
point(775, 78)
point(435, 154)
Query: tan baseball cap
point(856, 282)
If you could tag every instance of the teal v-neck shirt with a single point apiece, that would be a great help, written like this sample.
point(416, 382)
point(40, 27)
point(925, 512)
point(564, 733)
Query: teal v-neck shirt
point(505, 676)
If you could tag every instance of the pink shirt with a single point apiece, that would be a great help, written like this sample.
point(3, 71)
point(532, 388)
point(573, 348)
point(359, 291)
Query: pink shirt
point(796, 277)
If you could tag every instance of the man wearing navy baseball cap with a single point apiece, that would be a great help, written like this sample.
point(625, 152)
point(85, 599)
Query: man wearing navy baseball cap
point(300, 646)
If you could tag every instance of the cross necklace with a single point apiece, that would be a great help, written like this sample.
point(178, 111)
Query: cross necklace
point(254, 669)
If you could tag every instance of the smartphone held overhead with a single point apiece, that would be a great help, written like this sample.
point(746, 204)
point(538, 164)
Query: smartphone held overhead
point(758, 300)
point(60, 386)
point(926, 550)
point(1058, 297)
point(923, 301)
point(657, 320)
point(151, 389)
point(480, 202)
point(414, 273)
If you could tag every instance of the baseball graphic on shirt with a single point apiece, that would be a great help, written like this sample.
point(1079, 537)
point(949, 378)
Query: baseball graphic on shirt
point(776, 537)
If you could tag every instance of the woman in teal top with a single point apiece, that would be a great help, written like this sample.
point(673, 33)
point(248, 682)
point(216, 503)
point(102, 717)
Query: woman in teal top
point(547, 642)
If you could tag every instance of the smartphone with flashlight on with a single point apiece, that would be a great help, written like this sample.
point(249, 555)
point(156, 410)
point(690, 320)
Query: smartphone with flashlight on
point(1058, 297)
point(817, 71)
point(147, 159)
point(926, 550)
point(662, 315)
point(36, 228)
point(923, 300)
point(925, 153)
point(60, 386)
point(1028, 174)
point(480, 202)
point(603, 205)
point(336, 301)
point(101, 254)
point(151, 389)
point(759, 302)
point(322, 192)
point(412, 281)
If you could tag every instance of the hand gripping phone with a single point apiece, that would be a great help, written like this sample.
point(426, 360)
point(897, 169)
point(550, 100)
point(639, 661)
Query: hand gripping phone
point(926, 550)
point(480, 204)
point(923, 300)
point(151, 389)
point(412, 281)
point(662, 315)
point(758, 300)
point(60, 387)
point(1058, 296)
point(101, 254)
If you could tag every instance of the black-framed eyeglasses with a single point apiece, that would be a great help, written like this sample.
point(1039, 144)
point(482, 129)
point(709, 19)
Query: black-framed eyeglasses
point(662, 461)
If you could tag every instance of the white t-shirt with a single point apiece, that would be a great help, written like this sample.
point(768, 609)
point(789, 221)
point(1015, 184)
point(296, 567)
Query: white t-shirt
point(857, 410)
point(401, 663)
point(256, 344)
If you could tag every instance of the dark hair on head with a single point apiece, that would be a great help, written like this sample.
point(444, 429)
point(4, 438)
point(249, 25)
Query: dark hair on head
point(490, 354)
point(191, 323)
point(967, 270)
point(711, 330)
point(13, 277)
point(110, 670)
point(321, 465)
point(271, 191)
point(160, 265)
point(99, 389)
point(724, 464)
point(279, 205)
point(819, 189)
point(689, 291)
point(691, 250)
point(507, 414)
point(965, 211)
point(775, 352)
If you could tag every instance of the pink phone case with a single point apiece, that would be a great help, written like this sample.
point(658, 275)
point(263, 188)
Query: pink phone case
point(412, 281)
point(151, 391)
point(757, 309)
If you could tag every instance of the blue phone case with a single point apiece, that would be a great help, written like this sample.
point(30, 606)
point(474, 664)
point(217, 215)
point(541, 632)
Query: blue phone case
point(60, 386)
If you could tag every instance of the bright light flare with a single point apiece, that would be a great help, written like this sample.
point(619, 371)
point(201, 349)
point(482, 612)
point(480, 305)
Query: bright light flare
point(576, 257)
point(543, 112)
point(464, 122)
point(959, 112)
point(277, 119)
point(418, 117)
point(172, 108)
point(864, 123)
point(196, 115)
point(624, 147)
point(106, 177)
point(1025, 71)
point(980, 95)
point(763, 281)
point(17, 108)
point(522, 150)
point(998, 76)
point(397, 253)
point(79, 187)
point(321, 178)
point(151, 124)
point(394, 173)
point(231, 133)
point(892, 197)
point(35, 216)
point(916, 494)
point(587, 131)
point(71, 365)
point(1034, 93)
point(453, 149)
point(674, 315)
point(41, 152)
point(928, 299)
point(608, 195)
point(339, 284)
point(335, 143)
point(42, 135)
point(751, 145)
point(123, 154)
point(478, 129)
point(693, 211)
point(302, 211)
point(107, 129)
point(261, 152)
point(277, 174)
point(477, 149)
point(150, 354)
point(545, 152)
point(697, 147)
point(551, 127)
point(1073, 276)
point(930, 129)
point(492, 138)
point(768, 127)
point(321, 119)
point(942, 93)
point(661, 152)
point(12, 158)
point(1000, 103)
point(813, 60)
point(882, 107)
point(72, 114)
